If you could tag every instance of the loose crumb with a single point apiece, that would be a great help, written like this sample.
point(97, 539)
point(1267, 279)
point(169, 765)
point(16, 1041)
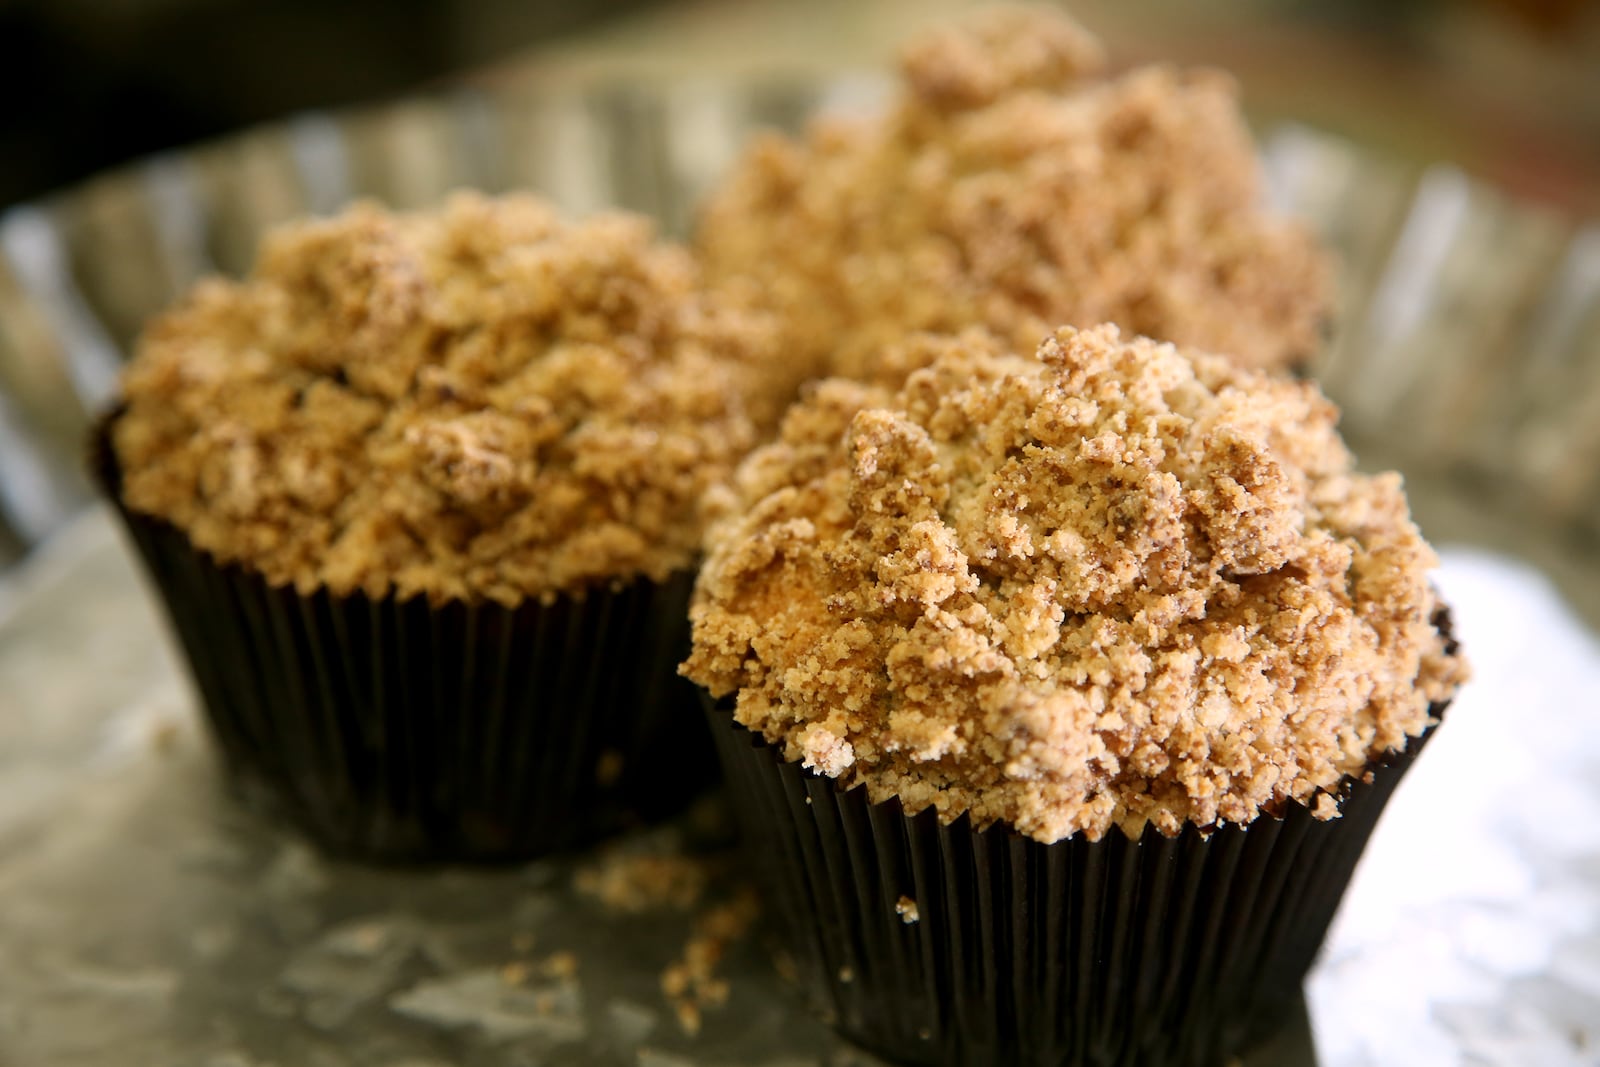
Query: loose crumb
point(1013, 185)
point(633, 883)
point(906, 908)
point(559, 965)
point(483, 402)
point(1114, 584)
point(165, 735)
point(691, 983)
point(787, 969)
point(608, 770)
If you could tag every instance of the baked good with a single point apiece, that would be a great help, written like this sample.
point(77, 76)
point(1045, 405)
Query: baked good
point(423, 497)
point(483, 403)
point(1084, 655)
point(1011, 184)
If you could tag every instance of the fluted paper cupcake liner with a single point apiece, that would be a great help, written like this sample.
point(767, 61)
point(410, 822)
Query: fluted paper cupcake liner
point(397, 730)
point(1158, 951)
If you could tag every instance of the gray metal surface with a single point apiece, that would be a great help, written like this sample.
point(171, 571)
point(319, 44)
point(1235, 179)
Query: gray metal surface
point(144, 920)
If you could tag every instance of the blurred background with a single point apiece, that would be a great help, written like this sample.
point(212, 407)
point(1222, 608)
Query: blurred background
point(1508, 88)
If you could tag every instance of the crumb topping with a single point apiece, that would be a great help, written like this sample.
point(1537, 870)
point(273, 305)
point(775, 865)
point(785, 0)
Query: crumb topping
point(485, 401)
point(1012, 185)
point(1115, 584)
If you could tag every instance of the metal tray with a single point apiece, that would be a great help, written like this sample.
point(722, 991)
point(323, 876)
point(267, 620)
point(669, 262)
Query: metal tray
point(143, 919)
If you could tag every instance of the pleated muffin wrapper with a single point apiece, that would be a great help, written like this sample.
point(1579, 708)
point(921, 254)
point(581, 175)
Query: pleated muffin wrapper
point(1180, 950)
point(401, 731)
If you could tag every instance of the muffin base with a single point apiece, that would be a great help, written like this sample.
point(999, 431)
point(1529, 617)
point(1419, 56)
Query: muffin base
point(1159, 951)
point(401, 731)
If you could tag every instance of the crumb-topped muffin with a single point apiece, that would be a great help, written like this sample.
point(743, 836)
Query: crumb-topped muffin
point(1117, 584)
point(1011, 184)
point(423, 496)
point(1105, 660)
point(486, 402)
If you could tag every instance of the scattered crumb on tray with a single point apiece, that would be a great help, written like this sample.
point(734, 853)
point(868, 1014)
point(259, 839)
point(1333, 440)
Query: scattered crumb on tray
point(634, 883)
point(691, 983)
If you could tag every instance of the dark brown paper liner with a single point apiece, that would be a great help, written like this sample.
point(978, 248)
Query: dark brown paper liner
point(398, 731)
point(1161, 951)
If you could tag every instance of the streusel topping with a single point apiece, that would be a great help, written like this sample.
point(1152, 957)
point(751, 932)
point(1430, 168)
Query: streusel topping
point(480, 402)
point(1116, 584)
point(1011, 185)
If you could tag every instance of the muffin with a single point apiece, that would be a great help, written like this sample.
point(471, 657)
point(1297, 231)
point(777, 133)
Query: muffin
point(422, 496)
point(1060, 694)
point(1011, 184)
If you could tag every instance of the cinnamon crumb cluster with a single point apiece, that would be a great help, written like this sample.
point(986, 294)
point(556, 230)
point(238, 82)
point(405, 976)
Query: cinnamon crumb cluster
point(1012, 185)
point(484, 402)
point(1115, 584)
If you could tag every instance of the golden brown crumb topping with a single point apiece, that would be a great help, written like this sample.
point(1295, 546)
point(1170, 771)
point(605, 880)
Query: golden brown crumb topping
point(480, 402)
point(1010, 185)
point(1115, 584)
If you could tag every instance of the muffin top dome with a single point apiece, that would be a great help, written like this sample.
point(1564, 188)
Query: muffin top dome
point(1010, 184)
point(482, 402)
point(1114, 584)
